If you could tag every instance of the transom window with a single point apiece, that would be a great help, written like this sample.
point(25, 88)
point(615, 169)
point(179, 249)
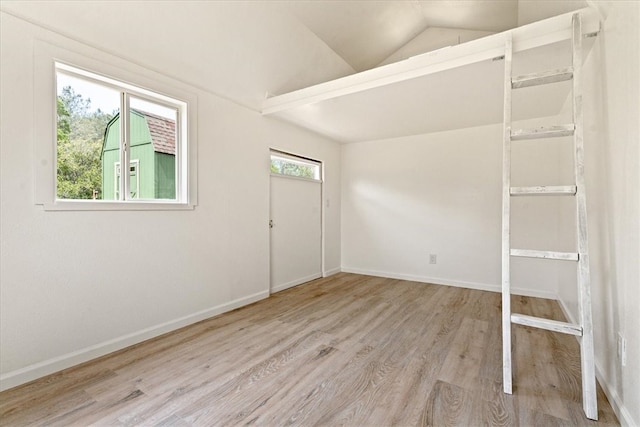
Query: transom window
point(102, 124)
point(294, 166)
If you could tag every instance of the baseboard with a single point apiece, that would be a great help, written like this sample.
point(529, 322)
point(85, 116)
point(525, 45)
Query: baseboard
point(456, 283)
point(331, 272)
point(47, 367)
point(621, 411)
point(295, 283)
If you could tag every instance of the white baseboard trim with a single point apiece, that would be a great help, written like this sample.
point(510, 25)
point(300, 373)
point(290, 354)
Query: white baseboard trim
point(296, 282)
point(47, 367)
point(331, 272)
point(621, 411)
point(448, 282)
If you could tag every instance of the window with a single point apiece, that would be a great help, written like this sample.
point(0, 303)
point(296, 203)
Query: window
point(92, 110)
point(101, 124)
point(294, 166)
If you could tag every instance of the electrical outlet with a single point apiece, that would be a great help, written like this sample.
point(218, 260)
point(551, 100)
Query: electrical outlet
point(433, 258)
point(622, 349)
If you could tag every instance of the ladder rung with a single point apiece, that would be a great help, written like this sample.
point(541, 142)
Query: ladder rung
point(543, 78)
point(549, 325)
point(528, 253)
point(544, 190)
point(543, 132)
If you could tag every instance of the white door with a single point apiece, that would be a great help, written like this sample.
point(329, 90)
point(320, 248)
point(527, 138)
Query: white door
point(296, 232)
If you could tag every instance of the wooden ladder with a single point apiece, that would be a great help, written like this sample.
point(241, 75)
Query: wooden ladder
point(584, 330)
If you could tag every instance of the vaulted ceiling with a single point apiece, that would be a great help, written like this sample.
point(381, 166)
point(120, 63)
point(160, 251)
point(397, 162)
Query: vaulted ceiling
point(367, 34)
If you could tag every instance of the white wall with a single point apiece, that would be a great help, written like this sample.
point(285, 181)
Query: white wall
point(612, 117)
point(440, 193)
point(75, 285)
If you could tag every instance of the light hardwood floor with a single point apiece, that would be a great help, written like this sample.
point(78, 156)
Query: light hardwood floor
point(346, 350)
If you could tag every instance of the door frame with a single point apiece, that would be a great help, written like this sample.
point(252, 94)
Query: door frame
point(277, 151)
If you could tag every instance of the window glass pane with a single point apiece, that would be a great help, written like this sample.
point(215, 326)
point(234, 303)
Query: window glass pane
point(285, 165)
point(88, 133)
point(154, 147)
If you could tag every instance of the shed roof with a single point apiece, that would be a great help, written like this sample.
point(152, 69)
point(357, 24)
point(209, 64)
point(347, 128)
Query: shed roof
point(163, 132)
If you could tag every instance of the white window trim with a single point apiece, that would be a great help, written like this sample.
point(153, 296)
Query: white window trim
point(123, 72)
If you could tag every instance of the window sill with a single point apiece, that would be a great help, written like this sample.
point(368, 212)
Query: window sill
point(92, 205)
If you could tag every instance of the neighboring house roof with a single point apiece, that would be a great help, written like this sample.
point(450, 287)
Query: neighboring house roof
point(163, 132)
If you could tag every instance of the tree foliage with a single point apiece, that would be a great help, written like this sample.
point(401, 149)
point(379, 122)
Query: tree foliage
point(284, 167)
point(80, 133)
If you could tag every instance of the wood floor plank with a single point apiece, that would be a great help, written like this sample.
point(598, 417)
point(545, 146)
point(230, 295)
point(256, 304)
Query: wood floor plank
point(344, 350)
point(496, 408)
point(49, 410)
point(535, 386)
point(237, 398)
point(373, 389)
point(206, 388)
point(447, 405)
point(462, 365)
point(427, 359)
point(309, 398)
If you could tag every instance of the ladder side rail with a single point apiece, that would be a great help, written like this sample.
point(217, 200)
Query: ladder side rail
point(589, 397)
point(507, 376)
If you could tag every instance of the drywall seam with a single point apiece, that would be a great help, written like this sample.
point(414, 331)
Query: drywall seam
point(449, 282)
point(41, 369)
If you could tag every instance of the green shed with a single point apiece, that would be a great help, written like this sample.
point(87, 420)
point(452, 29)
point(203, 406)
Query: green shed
point(152, 167)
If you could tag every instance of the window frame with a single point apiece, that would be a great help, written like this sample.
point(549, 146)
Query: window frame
point(141, 83)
